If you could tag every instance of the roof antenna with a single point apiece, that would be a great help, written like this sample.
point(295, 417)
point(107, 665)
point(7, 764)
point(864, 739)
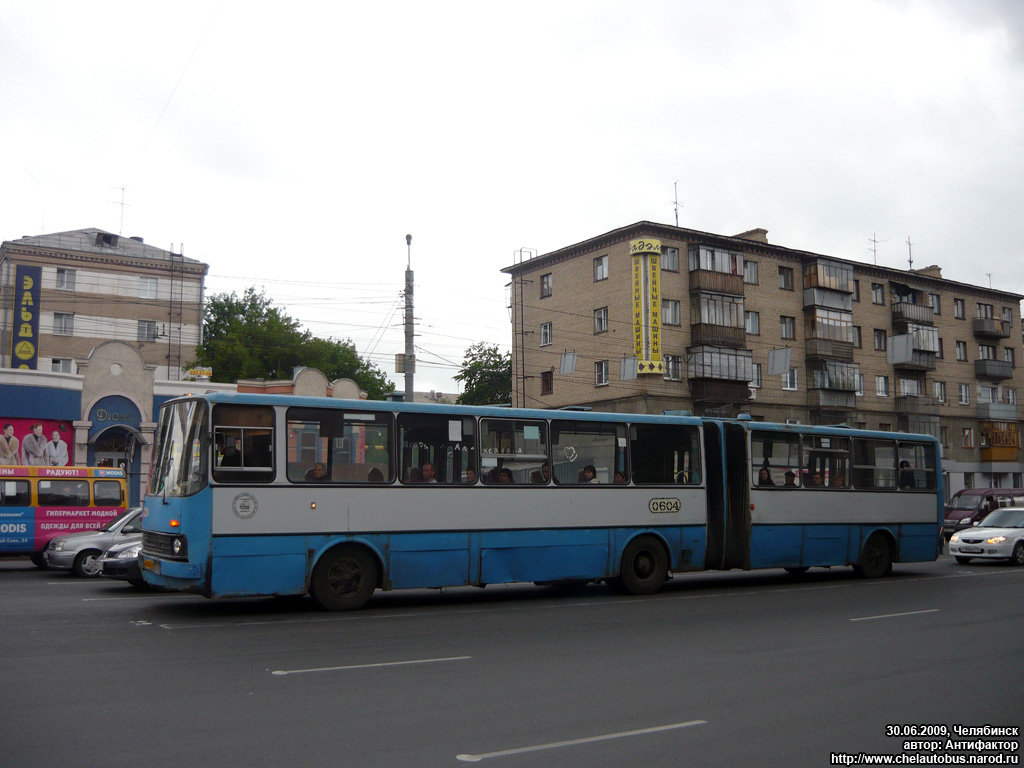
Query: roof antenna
point(910, 255)
point(675, 200)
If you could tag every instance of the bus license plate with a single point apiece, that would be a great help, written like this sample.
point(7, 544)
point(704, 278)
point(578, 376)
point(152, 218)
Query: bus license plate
point(972, 550)
point(150, 565)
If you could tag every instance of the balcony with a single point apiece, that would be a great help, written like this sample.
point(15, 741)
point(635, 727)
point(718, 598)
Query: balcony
point(916, 405)
point(999, 453)
point(993, 369)
point(997, 411)
point(919, 361)
point(722, 392)
point(833, 375)
point(716, 282)
point(914, 313)
point(830, 350)
point(991, 328)
point(831, 399)
point(919, 425)
point(707, 335)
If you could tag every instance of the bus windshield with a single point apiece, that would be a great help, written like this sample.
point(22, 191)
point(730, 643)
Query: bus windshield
point(179, 459)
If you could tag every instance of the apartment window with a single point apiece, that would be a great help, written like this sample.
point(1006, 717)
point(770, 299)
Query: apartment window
point(63, 324)
point(958, 309)
point(786, 278)
point(601, 268)
point(967, 437)
point(62, 365)
point(909, 387)
point(884, 427)
point(716, 309)
point(856, 336)
point(882, 386)
point(670, 259)
point(147, 287)
point(147, 330)
point(935, 302)
point(964, 391)
point(939, 390)
point(787, 325)
point(545, 285)
point(988, 394)
point(601, 373)
point(1007, 315)
point(961, 351)
point(860, 385)
point(790, 381)
point(66, 279)
point(944, 436)
point(752, 322)
point(547, 382)
point(673, 367)
point(941, 353)
point(877, 293)
point(756, 380)
point(750, 272)
point(880, 339)
point(601, 320)
point(985, 311)
point(545, 334)
point(986, 352)
point(856, 290)
point(1008, 356)
point(1010, 398)
point(669, 312)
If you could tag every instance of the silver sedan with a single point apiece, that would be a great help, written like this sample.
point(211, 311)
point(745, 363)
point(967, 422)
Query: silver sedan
point(1000, 536)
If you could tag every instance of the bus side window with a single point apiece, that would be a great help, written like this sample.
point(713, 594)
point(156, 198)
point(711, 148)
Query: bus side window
point(63, 493)
point(662, 454)
point(107, 493)
point(15, 493)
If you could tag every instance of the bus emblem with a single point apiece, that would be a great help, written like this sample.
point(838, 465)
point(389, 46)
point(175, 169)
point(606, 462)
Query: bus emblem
point(245, 505)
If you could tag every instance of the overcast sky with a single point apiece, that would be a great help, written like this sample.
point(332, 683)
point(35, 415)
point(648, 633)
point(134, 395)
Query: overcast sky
point(293, 146)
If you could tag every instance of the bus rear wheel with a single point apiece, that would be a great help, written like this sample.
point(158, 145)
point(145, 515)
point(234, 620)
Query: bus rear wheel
point(644, 566)
point(875, 558)
point(344, 579)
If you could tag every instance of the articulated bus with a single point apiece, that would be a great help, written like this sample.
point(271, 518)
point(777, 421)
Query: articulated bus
point(284, 495)
point(38, 503)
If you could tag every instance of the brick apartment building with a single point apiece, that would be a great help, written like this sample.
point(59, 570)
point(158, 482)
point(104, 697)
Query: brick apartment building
point(662, 318)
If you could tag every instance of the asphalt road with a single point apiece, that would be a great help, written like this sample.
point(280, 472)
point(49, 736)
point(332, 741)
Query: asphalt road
point(733, 669)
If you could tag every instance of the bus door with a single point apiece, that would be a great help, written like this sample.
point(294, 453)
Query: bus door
point(714, 468)
point(737, 528)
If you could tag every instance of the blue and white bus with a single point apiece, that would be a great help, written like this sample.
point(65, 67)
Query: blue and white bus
point(285, 495)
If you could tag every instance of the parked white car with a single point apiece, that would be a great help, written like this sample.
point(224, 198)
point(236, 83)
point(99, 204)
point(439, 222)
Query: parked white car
point(80, 552)
point(1000, 536)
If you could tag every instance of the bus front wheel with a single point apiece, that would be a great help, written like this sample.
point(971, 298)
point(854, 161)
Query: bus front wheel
point(344, 579)
point(875, 558)
point(644, 566)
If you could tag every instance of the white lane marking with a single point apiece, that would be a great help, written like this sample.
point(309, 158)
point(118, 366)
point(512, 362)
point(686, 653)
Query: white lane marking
point(367, 666)
point(895, 615)
point(575, 742)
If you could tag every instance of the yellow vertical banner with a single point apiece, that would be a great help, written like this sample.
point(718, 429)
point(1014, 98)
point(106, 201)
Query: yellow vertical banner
point(654, 260)
point(638, 306)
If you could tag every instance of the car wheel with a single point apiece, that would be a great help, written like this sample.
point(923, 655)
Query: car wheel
point(644, 566)
point(963, 560)
point(87, 564)
point(1017, 558)
point(344, 579)
point(38, 560)
point(875, 558)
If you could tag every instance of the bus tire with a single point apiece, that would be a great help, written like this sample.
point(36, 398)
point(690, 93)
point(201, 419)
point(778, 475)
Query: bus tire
point(87, 564)
point(38, 560)
point(875, 558)
point(644, 566)
point(344, 579)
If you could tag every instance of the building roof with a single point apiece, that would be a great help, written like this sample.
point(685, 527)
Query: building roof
point(100, 242)
point(753, 240)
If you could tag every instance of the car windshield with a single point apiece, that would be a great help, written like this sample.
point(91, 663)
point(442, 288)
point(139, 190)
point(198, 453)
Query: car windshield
point(114, 523)
point(965, 502)
point(1004, 518)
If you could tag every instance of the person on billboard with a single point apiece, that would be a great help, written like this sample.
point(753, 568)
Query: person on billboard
point(57, 451)
point(33, 447)
point(9, 445)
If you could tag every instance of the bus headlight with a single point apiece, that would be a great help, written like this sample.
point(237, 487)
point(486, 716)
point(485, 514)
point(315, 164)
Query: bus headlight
point(177, 546)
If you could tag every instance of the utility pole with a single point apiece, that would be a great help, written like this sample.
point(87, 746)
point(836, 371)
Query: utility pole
point(410, 356)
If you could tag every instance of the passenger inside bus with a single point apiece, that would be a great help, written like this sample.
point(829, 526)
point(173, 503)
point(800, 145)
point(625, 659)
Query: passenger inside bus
point(764, 477)
point(791, 479)
point(317, 473)
point(505, 476)
point(470, 476)
point(428, 473)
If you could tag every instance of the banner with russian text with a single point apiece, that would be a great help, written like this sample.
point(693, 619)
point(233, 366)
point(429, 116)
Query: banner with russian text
point(25, 328)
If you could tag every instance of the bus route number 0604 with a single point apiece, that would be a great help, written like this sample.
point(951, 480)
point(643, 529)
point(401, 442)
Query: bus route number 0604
point(663, 506)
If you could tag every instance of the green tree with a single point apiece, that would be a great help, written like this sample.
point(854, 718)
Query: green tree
point(248, 337)
point(486, 376)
